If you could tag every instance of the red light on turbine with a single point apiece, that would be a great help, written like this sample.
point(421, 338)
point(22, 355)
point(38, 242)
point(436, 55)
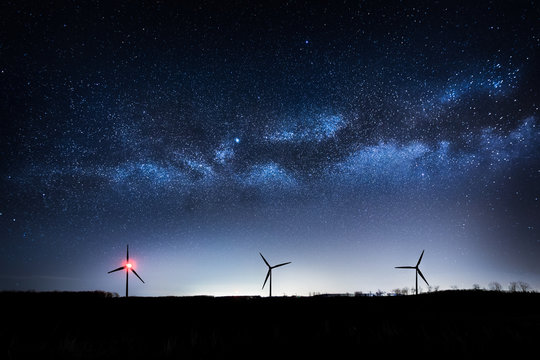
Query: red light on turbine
point(128, 265)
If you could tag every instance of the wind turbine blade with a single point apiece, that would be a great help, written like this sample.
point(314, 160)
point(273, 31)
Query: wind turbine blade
point(266, 262)
point(418, 263)
point(120, 268)
point(275, 266)
point(405, 267)
point(127, 253)
point(422, 276)
point(137, 275)
point(267, 275)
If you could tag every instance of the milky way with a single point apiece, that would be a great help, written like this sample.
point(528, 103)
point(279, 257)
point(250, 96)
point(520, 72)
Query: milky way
point(361, 131)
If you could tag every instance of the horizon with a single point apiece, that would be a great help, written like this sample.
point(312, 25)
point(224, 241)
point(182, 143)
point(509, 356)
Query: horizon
point(343, 138)
point(517, 290)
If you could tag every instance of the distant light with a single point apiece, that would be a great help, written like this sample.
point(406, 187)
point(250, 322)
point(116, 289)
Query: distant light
point(307, 41)
point(237, 140)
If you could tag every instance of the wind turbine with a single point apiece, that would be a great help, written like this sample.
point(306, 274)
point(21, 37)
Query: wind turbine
point(417, 271)
point(128, 266)
point(269, 273)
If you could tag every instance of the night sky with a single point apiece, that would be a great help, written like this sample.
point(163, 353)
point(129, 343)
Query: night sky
point(345, 138)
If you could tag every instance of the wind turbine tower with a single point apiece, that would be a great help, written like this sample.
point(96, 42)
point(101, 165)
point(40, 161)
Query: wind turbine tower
point(269, 273)
point(417, 271)
point(128, 267)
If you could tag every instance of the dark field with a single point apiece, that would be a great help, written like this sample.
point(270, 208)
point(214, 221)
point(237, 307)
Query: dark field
point(92, 325)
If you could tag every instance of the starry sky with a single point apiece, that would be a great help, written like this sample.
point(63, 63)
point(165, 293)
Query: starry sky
point(344, 137)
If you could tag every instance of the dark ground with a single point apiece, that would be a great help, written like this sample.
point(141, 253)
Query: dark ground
point(443, 324)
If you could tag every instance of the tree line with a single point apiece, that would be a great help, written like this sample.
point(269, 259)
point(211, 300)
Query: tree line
point(513, 286)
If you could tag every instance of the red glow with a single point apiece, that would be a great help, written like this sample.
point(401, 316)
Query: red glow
point(131, 264)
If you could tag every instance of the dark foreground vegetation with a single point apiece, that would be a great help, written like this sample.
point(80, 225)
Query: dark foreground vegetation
point(96, 325)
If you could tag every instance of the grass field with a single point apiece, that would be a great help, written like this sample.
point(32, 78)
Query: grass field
point(94, 325)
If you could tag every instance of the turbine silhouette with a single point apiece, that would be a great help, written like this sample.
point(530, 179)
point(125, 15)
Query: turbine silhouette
point(128, 267)
point(269, 273)
point(417, 271)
